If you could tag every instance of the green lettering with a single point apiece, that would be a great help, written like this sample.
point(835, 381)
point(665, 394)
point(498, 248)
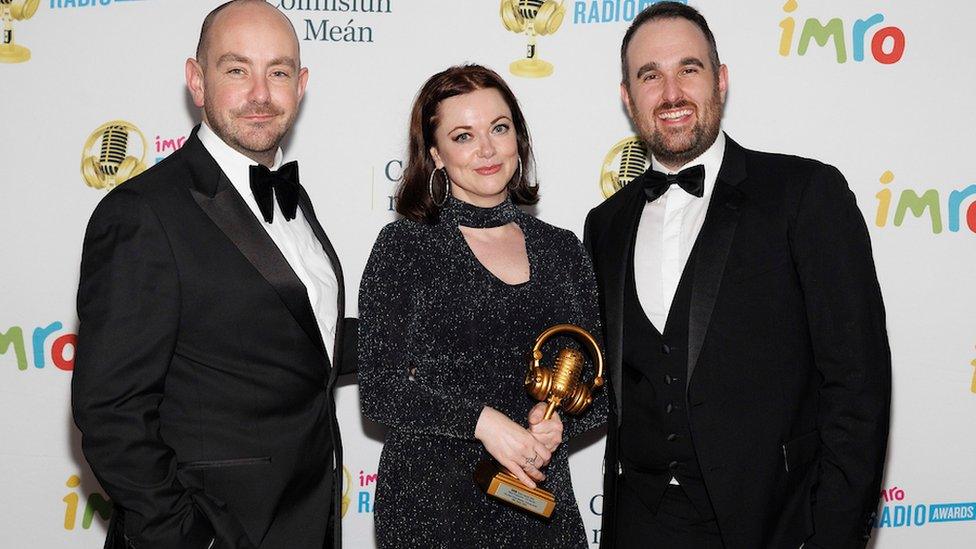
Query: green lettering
point(814, 29)
point(96, 504)
point(15, 336)
point(910, 200)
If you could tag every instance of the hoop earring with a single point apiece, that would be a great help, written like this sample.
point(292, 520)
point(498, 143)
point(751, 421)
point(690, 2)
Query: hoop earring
point(447, 187)
point(518, 179)
point(534, 184)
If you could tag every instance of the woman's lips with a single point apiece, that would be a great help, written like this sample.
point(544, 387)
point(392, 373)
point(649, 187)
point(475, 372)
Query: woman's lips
point(489, 170)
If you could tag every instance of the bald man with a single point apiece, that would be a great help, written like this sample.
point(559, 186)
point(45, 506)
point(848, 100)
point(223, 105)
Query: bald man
point(211, 308)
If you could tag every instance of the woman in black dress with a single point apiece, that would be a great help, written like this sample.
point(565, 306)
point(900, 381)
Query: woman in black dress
point(452, 299)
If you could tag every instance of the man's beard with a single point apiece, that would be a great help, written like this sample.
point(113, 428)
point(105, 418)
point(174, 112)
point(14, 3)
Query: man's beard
point(237, 135)
point(662, 143)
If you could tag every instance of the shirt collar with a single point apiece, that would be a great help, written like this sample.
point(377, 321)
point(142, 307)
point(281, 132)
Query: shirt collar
point(711, 159)
point(235, 165)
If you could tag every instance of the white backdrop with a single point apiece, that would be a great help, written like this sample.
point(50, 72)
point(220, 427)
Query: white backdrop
point(892, 110)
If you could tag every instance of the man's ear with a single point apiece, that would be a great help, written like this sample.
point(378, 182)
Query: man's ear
point(625, 97)
point(194, 81)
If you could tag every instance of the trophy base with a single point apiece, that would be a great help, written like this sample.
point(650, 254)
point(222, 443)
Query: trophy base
point(531, 68)
point(499, 483)
point(13, 53)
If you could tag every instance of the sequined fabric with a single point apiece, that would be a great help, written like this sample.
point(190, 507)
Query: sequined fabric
point(440, 338)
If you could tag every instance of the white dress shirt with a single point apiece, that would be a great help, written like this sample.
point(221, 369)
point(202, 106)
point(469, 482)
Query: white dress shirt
point(666, 233)
point(294, 238)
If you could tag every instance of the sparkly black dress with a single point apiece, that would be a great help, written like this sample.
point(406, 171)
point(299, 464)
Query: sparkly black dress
point(440, 337)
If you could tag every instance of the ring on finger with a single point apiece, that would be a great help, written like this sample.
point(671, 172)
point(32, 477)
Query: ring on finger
point(531, 460)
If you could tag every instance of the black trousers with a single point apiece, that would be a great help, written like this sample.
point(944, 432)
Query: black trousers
point(676, 524)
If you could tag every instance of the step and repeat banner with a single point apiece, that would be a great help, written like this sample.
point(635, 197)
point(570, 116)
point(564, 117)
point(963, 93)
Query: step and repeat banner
point(93, 90)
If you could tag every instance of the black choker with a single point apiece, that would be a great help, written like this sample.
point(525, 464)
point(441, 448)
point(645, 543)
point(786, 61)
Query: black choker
point(469, 215)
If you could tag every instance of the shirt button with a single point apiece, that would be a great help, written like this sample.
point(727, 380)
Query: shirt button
point(669, 379)
point(666, 349)
point(673, 465)
point(672, 437)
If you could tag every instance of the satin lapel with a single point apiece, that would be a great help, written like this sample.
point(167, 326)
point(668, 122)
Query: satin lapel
point(617, 255)
point(225, 207)
point(306, 206)
point(714, 242)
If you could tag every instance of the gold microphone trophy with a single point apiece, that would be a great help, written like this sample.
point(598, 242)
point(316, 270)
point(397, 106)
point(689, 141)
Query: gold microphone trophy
point(534, 18)
point(11, 52)
point(562, 387)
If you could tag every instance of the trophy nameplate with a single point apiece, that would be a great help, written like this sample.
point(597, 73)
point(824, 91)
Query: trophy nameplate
point(498, 482)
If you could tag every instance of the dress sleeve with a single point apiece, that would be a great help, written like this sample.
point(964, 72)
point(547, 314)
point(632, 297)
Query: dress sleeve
point(388, 393)
point(587, 316)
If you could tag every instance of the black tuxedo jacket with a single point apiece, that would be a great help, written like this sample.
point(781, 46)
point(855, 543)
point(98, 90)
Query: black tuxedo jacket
point(202, 386)
point(789, 370)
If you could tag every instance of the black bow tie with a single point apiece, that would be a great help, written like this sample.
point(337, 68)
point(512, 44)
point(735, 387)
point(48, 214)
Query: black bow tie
point(692, 180)
point(284, 183)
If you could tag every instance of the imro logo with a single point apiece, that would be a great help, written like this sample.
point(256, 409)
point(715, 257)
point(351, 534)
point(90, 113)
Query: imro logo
point(886, 44)
point(928, 204)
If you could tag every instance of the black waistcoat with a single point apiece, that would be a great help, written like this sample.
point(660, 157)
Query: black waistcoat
point(655, 435)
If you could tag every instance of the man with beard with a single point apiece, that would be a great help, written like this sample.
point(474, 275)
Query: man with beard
point(746, 339)
point(211, 309)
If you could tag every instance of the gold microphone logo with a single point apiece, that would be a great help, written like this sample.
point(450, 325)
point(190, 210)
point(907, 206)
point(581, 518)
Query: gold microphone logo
point(110, 163)
point(533, 18)
point(345, 492)
point(625, 162)
point(11, 10)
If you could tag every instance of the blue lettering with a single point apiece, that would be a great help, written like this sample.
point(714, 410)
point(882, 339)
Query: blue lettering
point(579, 13)
point(40, 335)
point(364, 503)
point(919, 517)
point(955, 205)
point(885, 521)
point(861, 26)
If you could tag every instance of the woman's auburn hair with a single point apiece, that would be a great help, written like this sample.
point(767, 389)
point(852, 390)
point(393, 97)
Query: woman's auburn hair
point(413, 199)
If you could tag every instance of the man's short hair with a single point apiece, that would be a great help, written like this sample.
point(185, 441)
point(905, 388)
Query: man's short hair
point(668, 10)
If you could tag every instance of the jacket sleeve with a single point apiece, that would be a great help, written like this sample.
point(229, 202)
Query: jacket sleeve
point(388, 391)
point(128, 307)
point(832, 255)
